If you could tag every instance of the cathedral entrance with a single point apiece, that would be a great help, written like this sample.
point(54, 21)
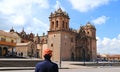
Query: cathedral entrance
point(72, 56)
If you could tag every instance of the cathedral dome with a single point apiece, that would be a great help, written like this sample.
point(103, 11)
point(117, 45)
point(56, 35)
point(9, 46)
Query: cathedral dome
point(59, 12)
point(12, 30)
point(89, 25)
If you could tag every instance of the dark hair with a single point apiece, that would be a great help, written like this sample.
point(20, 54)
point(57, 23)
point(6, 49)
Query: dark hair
point(47, 56)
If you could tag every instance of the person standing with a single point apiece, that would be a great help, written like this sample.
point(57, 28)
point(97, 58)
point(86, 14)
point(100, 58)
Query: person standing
point(47, 65)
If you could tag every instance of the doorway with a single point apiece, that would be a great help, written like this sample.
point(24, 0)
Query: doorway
point(5, 51)
point(0, 51)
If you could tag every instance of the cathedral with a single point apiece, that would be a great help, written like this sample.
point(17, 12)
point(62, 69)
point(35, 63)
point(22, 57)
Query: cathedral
point(66, 43)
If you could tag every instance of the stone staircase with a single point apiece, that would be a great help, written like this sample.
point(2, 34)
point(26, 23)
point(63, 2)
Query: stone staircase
point(18, 62)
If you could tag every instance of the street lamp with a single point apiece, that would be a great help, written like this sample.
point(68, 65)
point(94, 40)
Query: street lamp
point(60, 50)
point(84, 56)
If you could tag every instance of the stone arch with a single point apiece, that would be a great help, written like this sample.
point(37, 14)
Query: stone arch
point(5, 51)
point(72, 56)
point(32, 51)
point(63, 25)
point(0, 51)
point(52, 25)
point(56, 23)
point(66, 25)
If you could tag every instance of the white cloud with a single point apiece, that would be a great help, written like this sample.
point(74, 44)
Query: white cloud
point(40, 25)
point(37, 27)
point(100, 20)
point(86, 5)
point(14, 10)
point(22, 13)
point(13, 6)
point(119, 36)
point(108, 46)
point(41, 3)
point(58, 5)
point(18, 20)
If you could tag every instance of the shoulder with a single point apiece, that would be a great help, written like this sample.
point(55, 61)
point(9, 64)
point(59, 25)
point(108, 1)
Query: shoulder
point(54, 64)
point(40, 63)
point(39, 67)
point(54, 67)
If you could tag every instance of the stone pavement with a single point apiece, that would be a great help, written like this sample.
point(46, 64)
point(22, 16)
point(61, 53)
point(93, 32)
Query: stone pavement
point(19, 62)
point(105, 69)
point(73, 65)
point(64, 65)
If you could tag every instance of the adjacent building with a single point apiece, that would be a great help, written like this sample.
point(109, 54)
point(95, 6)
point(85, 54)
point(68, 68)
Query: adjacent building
point(109, 57)
point(7, 43)
point(66, 43)
point(27, 44)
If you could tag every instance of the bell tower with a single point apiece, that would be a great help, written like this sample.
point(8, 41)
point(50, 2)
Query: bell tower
point(59, 28)
point(59, 20)
point(91, 34)
point(90, 30)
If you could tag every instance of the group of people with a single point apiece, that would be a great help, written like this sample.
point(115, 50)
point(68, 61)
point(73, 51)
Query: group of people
point(47, 65)
point(15, 54)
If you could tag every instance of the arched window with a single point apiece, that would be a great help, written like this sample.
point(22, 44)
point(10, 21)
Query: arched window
point(72, 39)
point(32, 50)
point(3, 39)
point(0, 51)
point(5, 50)
point(56, 23)
point(12, 41)
point(63, 24)
point(87, 32)
point(66, 24)
point(52, 25)
point(52, 45)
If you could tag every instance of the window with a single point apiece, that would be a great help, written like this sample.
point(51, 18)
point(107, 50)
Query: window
point(12, 41)
point(3, 39)
point(52, 45)
point(71, 39)
point(88, 32)
point(52, 25)
point(63, 24)
point(56, 23)
point(66, 24)
point(22, 41)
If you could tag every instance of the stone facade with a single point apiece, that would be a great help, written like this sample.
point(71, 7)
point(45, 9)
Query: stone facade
point(109, 57)
point(28, 49)
point(27, 45)
point(68, 44)
point(7, 43)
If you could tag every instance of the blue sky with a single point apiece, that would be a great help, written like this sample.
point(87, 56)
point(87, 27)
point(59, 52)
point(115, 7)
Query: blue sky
point(32, 15)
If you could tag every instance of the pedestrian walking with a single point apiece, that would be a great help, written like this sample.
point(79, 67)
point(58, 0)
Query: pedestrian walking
point(47, 65)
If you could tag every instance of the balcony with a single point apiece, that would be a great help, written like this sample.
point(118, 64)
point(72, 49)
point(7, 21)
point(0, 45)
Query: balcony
point(7, 43)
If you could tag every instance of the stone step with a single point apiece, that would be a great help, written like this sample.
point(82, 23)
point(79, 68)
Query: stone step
point(18, 62)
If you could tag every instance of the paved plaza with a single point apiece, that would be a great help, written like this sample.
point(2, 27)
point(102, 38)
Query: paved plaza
point(71, 66)
point(102, 69)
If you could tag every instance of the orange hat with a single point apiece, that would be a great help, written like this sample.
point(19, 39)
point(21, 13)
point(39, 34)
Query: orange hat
point(47, 51)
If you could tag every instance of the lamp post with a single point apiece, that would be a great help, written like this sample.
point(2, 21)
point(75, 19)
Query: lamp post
point(83, 49)
point(84, 56)
point(60, 50)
